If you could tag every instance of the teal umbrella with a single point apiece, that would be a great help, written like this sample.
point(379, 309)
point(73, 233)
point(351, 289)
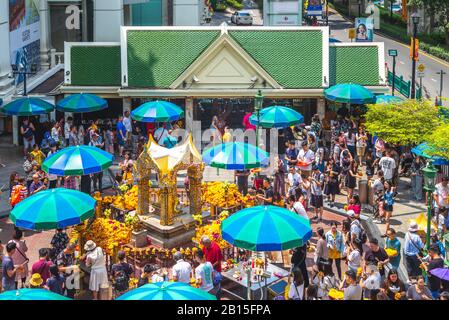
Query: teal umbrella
point(236, 156)
point(388, 99)
point(78, 161)
point(349, 93)
point(27, 107)
point(81, 102)
point(276, 117)
point(31, 294)
point(157, 111)
point(166, 291)
point(53, 209)
point(266, 228)
point(424, 150)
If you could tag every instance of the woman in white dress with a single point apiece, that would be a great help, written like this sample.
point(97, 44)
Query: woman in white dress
point(95, 259)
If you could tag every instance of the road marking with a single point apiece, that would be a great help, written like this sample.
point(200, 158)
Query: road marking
point(433, 80)
point(421, 53)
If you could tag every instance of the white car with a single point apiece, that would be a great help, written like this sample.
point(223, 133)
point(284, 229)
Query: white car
point(242, 17)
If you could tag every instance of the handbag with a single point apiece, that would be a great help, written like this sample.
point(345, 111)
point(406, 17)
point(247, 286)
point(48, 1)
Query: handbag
point(217, 278)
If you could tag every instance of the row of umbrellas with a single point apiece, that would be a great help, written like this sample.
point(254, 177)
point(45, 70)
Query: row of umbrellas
point(78, 103)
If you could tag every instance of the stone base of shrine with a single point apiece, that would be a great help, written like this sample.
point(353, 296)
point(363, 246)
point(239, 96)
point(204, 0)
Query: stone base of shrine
point(179, 234)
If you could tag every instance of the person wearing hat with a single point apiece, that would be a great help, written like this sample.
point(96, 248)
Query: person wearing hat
point(95, 259)
point(413, 246)
point(306, 156)
point(352, 290)
point(36, 281)
point(316, 190)
point(435, 262)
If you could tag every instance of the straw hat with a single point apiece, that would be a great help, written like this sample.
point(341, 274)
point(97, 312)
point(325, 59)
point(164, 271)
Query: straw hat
point(90, 245)
point(413, 227)
point(36, 280)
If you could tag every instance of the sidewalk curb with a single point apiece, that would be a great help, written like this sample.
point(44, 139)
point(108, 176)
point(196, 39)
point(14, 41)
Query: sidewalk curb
point(373, 232)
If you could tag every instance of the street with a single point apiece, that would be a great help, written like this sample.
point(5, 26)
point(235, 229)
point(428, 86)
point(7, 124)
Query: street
point(339, 29)
point(431, 82)
point(249, 6)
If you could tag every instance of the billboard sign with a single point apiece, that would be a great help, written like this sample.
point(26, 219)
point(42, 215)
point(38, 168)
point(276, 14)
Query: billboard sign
point(282, 13)
point(24, 34)
point(314, 8)
point(364, 28)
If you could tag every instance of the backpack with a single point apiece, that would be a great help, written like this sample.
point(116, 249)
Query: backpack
point(121, 281)
point(363, 237)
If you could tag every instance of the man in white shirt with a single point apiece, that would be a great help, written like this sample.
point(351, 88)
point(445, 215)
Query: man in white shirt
point(182, 270)
point(297, 207)
point(204, 273)
point(441, 193)
point(294, 180)
point(308, 156)
point(388, 166)
point(160, 134)
point(67, 126)
point(127, 122)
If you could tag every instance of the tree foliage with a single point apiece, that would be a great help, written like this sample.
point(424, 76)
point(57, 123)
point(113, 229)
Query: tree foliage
point(410, 122)
point(439, 141)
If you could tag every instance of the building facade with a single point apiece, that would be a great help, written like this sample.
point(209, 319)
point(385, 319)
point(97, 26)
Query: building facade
point(218, 70)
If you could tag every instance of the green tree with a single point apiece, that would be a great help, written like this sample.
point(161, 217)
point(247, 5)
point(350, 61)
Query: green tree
point(439, 141)
point(410, 122)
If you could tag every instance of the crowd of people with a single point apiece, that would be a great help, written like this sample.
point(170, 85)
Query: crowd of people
point(311, 170)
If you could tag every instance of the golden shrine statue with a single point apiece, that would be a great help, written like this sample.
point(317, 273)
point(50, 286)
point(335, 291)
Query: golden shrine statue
point(166, 163)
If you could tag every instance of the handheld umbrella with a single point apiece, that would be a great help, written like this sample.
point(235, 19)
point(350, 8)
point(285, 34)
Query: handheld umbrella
point(277, 117)
point(266, 228)
point(31, 294)
point(81, 102)
point(236, 156)
point(27, 107)
point(166, 291)
point(53, 209)
point(77, 161)
point(441, 273)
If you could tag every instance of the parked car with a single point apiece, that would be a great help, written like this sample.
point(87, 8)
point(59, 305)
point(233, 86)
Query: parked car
point(242, 17)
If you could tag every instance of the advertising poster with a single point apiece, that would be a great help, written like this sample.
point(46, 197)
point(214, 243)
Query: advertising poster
point(314, 8)
point(364, 29)
point(24, 33)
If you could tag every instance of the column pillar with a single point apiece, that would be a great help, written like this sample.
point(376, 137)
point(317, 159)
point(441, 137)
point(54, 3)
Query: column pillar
point(321, 108)
point(189, 114)
point(15, 130)
point(5, 60)
point(195, 173)
point(126, 104)
point(44, 18)
point(108, 17)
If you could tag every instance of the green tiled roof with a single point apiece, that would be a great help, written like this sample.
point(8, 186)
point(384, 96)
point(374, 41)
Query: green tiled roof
point(354, 64)
point(95, 65)
point(292, 58)
point(157, 58)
